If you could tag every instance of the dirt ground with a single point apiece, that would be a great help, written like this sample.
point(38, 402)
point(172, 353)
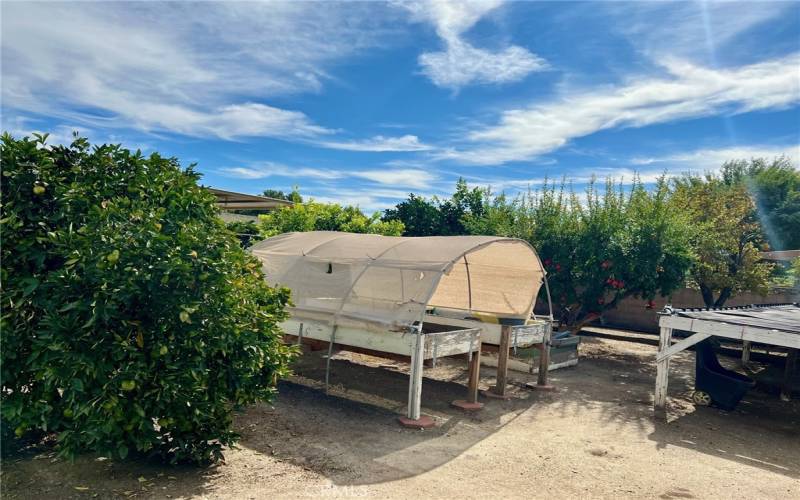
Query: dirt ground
point(594, 438)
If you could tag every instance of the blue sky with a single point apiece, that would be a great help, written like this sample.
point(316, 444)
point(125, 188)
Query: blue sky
point(365, 102)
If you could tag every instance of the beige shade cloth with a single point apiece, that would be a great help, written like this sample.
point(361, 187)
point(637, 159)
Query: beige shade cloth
point(391, 280)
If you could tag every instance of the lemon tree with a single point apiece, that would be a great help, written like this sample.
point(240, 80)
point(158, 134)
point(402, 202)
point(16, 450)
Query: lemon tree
point(132, 320)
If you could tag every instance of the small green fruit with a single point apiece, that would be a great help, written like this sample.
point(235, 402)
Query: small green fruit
point(113, 256)
point(128, 385)
point(38, 190)
point(68, 413)
point(163, 350)
point(184, 317)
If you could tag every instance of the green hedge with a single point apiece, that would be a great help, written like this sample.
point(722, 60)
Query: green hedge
point(132, 320)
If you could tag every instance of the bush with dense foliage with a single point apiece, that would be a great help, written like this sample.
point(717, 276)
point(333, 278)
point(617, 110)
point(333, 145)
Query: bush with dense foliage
point(247, 232)
point(314, 216)
point(132, 320)
point(617, 243)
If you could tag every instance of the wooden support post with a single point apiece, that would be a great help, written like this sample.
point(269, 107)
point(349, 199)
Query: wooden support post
point(474, 374)
point(544, 360)
point(413, 418)
point(415, 377)
point(471, 403)
point(662, 370)
point(502, 360)
point(745, 352)
point(788, 372)
point(544, 364)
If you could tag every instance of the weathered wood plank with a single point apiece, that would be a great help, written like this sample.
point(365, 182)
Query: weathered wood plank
point(680, 345)
point(415, 378)
point(544, 360)
point(788, 372)
point(474, 374)
point(737, 332)
point(662, 369)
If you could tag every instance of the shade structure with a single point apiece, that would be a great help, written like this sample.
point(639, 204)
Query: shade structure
point(391, 280)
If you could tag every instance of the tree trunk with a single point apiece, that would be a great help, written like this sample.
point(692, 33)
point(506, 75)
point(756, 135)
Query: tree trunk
point(724, 295)
point(708, 295)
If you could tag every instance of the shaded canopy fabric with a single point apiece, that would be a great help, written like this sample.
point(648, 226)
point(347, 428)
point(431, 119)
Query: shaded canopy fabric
point(391, 280)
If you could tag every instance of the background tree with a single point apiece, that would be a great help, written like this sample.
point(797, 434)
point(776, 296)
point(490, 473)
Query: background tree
point(419, 216)
point(132, 320)
point(726, 237)
point(314, 216)
point(775, 188)
point(293, 196)
point(439, 217)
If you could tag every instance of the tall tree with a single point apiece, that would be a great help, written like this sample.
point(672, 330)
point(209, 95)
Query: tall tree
point(439, 217)
point(726, 237)
point(775, 188)
point(419, 216)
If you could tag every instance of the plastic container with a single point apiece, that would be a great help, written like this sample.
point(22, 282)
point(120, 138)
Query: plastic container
point(715, 384)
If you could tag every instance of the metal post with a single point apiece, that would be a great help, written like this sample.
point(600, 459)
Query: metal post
point(330, 353)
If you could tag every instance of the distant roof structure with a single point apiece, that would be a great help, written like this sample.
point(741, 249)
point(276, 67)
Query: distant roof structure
point(232, 217)
point(229, 200)
point(781, 255)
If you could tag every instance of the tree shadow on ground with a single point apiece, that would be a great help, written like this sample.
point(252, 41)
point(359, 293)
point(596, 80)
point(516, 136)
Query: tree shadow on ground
point(352, 436)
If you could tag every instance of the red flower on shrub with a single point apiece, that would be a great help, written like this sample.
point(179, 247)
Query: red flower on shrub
point(605, 264)
point(558, 267)
point(547, 262)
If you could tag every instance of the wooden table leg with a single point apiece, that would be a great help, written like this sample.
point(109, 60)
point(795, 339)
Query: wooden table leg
point(413, 418)
point(502, 360)
point(544, 364)
point(746, 347)
point(788, 372)
point(474, 375)
point(471, 403)
point(662, 371)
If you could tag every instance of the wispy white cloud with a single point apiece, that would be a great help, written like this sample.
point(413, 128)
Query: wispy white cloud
point(400, 177)
point(688, 91)
point(462, 64)
point(695, 31)
point(711, 159)
point(200, 69)
point(379, 143)
point(410, 178)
